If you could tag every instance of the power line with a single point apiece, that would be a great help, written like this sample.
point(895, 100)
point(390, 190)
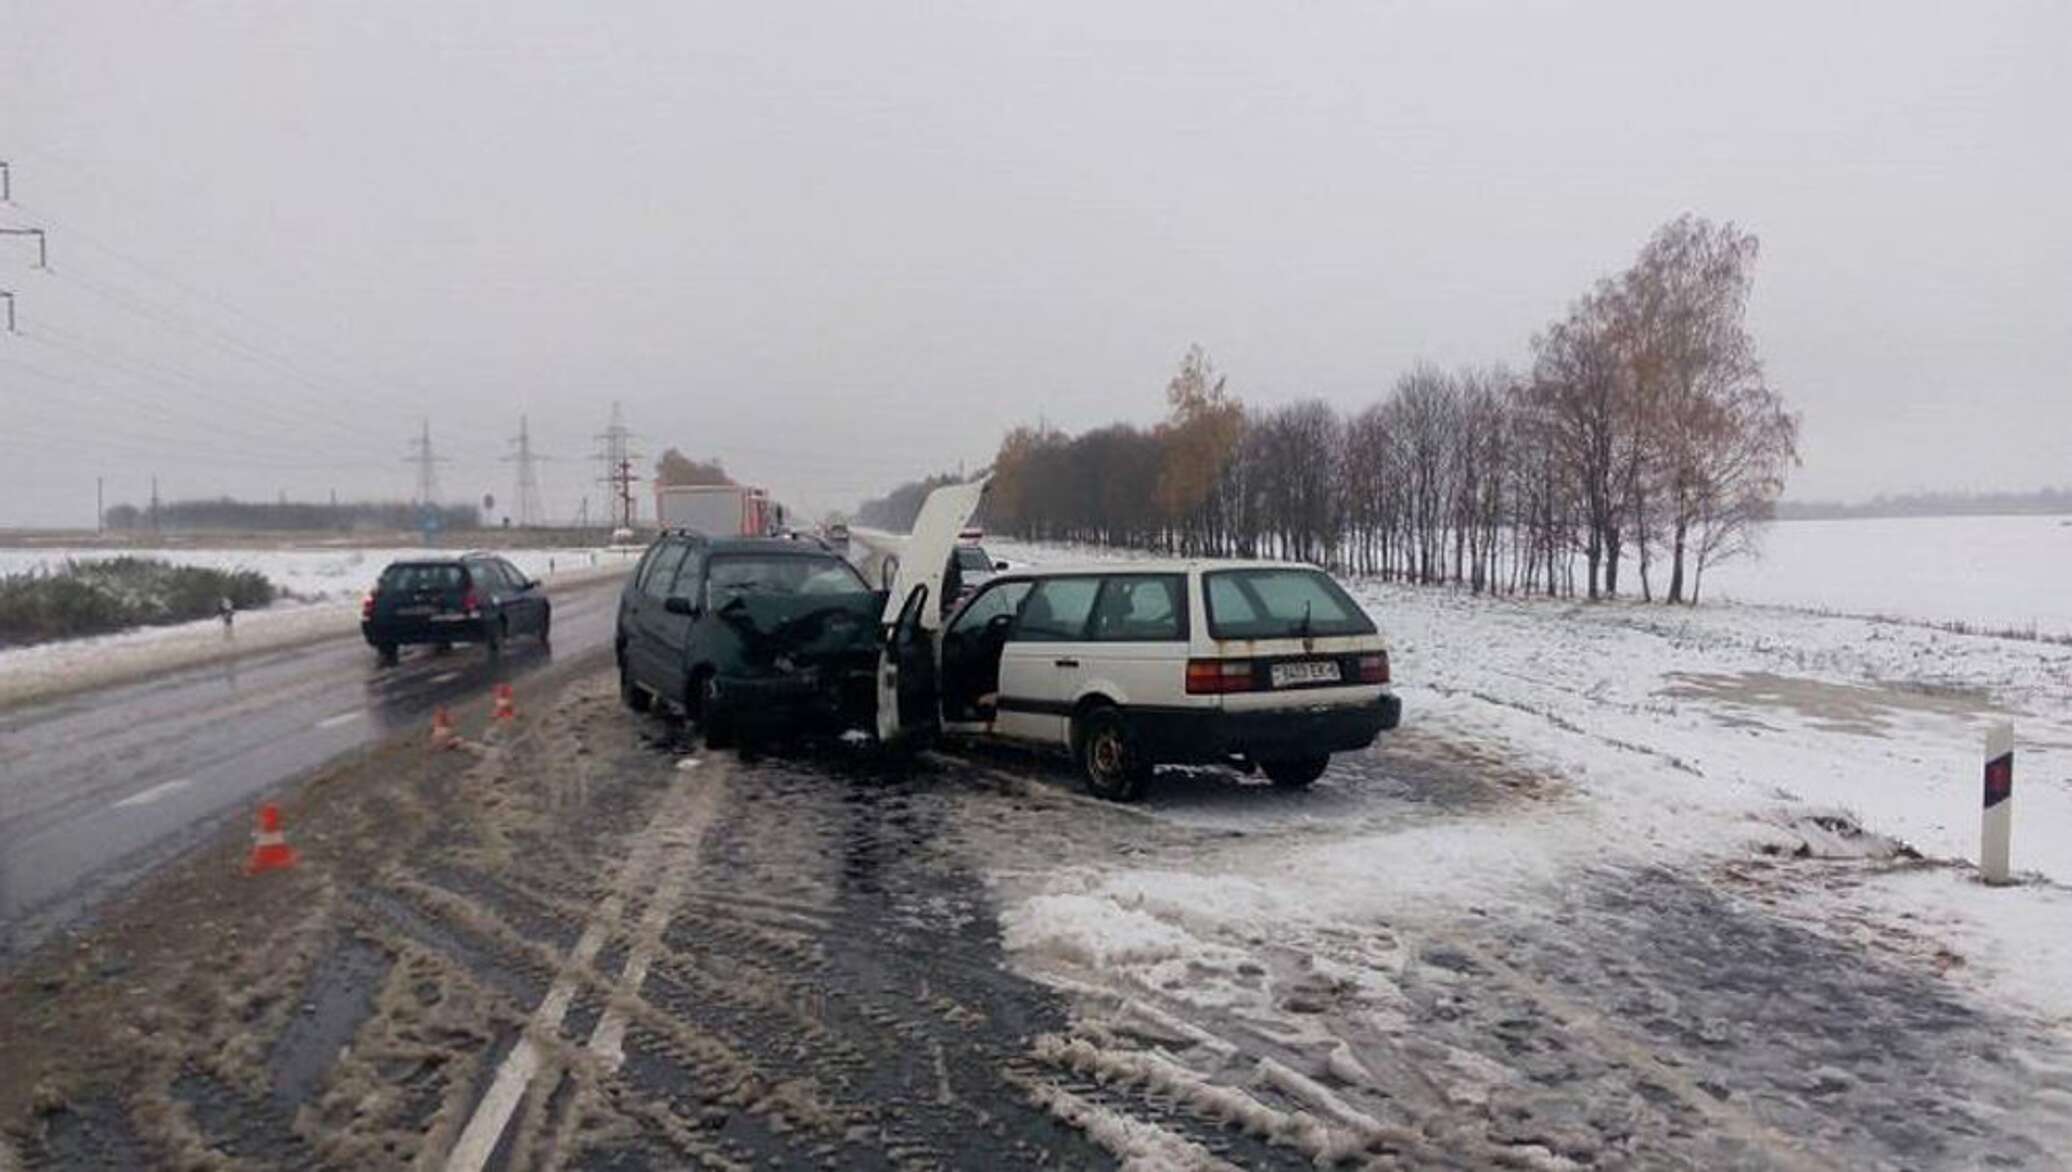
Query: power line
point(198, 388)
point(142, 308)
point(195, 292)
point(113, 407)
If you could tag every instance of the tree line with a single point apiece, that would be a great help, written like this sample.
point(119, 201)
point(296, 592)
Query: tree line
point(1643, 441)
point(896, 510)
point(675, 468)
point(2046, 501)
point(229, 515)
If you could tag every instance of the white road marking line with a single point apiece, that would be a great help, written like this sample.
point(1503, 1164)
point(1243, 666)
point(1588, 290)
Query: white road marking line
point(335, 721)
point(156, 792)
point(445, 677)
point(607, 1039)
point(478, 1141)
point(679, 821)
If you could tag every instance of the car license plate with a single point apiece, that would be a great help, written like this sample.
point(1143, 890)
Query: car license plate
point(1309, 671)
point(414, 612)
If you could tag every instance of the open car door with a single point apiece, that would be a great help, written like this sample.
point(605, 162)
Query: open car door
point(908, 696)
point(907, 699)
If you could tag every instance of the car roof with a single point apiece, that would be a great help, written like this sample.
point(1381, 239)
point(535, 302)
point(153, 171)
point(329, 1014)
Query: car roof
point(776, 545)
point(1152, 566)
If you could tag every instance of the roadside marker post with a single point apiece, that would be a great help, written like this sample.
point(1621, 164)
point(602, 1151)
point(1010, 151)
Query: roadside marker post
point(1998, 819)
point(506, 703)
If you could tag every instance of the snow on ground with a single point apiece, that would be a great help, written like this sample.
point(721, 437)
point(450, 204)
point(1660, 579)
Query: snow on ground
point(1995, 572)
point(327, 584)
point(309, 574)
point(1674, 741)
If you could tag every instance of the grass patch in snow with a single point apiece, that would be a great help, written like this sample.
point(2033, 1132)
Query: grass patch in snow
point(80, 598)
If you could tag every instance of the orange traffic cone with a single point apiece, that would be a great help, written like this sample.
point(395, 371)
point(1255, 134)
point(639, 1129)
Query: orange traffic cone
point(270, 849)
point(442, 729)
point(506, 704)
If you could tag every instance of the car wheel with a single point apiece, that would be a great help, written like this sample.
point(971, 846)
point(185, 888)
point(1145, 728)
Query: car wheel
point(713, 718)
point(1109, 758)
point(495, 636)
point(630, 693)
point(385, 653)
point(1296, 772)
point(547, 625)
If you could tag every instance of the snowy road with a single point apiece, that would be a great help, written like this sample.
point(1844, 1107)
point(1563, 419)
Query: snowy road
point(1627, 890)
point(586, 944)
point(99, 786)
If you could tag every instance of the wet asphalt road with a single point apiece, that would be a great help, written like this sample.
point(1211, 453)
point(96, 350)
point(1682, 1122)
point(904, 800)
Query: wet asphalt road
point(99, 787)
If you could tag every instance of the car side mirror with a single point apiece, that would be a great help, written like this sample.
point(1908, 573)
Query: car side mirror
point(532, 583)
point(678, 604)
point(999, 565)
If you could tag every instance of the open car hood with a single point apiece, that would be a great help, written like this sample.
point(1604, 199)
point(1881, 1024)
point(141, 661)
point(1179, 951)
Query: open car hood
point(926, 551)
point(801, 627)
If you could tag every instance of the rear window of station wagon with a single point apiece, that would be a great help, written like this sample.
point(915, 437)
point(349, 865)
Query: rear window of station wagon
point(422, 577)
point(1278, 602)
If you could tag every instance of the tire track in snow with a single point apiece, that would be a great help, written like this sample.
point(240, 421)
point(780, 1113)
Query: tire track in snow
point(678, 826)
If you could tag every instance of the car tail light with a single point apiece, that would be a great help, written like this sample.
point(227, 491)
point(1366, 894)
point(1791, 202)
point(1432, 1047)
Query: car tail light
point(468, 602)
point(367, 607)
point(1214, 677)
point(1374, 669)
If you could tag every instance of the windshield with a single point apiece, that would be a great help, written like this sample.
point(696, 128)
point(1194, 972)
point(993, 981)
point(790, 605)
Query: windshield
point(1280, 603)
point(739, 574)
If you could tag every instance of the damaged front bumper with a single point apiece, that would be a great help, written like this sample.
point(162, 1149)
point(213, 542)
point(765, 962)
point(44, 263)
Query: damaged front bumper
point(820, 698)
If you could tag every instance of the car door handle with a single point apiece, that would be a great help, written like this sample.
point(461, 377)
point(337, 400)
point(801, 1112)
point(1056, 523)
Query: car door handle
point(1065, 663)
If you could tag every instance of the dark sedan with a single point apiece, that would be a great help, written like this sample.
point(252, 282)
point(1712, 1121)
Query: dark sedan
point(473, 598)
point(749, 636)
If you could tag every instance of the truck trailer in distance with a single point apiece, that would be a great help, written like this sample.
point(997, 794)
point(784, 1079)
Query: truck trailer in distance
point(718, 510)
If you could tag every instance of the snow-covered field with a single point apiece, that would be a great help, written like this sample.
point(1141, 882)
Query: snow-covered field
point(1772, 767)
point(326, 586)
point(311, 575)
point(1992, 572)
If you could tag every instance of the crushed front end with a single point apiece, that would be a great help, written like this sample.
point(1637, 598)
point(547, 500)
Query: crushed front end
point(798, 664)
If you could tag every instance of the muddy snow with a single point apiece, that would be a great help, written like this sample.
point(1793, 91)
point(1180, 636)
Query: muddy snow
point(1629, 889)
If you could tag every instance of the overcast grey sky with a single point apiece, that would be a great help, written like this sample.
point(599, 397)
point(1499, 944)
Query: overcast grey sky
point(842, 244)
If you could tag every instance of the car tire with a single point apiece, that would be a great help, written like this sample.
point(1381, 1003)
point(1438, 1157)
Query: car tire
point(494, 638)
point(386, 654)
point(1296, 772)
point(631, 694)
point(1109, 758)
point(546, 626)
point(714, 721)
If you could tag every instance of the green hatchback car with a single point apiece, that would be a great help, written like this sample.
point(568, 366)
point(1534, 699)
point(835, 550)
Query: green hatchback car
point(757, 637)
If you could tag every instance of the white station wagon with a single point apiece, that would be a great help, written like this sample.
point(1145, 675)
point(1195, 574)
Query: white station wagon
point(1130, 665)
